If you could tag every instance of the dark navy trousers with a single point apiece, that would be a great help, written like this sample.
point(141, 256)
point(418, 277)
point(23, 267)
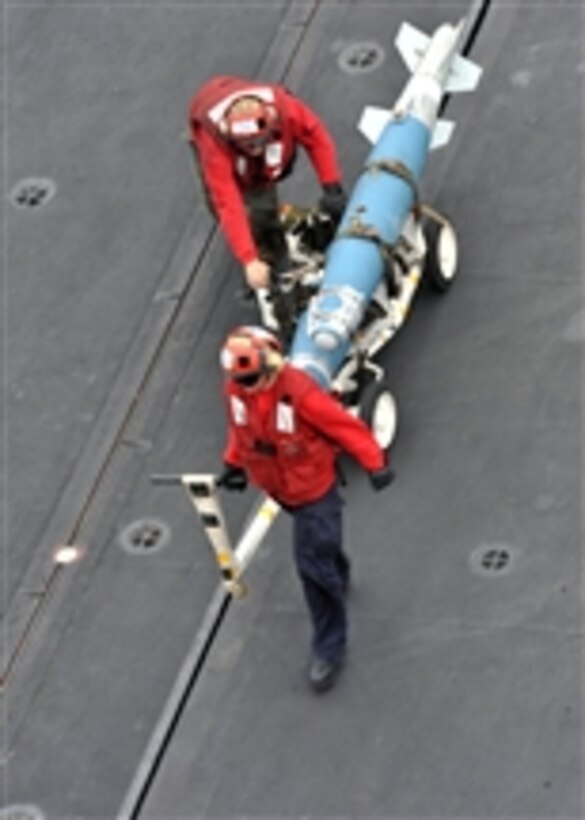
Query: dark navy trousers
point(323, 569)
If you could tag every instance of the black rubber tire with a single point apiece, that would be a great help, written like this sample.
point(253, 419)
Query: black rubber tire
point(377, 408)
point(435, 269)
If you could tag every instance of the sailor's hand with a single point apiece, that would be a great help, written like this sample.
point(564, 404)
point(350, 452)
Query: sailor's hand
point(333, 200)
point(382, 478)
point(257, 274)
point(233, 478)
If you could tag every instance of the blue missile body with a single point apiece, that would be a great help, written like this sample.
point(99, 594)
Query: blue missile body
point(382, 198)
point(355, 264)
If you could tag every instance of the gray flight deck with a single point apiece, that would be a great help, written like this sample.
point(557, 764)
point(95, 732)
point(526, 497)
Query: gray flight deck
point(132, 687)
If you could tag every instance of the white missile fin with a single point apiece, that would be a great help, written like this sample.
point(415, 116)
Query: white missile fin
point(373, 121)
point(442, 133)
point(464, 75)
point(412, 44)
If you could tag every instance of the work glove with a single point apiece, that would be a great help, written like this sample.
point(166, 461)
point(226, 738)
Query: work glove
point(382, 478)
point(333, 200)
point(233, 478)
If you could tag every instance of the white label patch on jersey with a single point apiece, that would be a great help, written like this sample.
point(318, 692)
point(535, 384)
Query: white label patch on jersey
point(273, 154)
point(285, 418)
point(239, 414)
point(241, 165)
point(245, 127)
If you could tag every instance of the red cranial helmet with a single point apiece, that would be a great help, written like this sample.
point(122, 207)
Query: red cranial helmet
point(244, 354)
point(250, 124)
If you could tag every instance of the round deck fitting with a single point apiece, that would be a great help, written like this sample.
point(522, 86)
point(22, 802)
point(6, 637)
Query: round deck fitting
point(21, 812)
point(145, 536)
point(360, 58)
point(32, 192)
point(492, 560)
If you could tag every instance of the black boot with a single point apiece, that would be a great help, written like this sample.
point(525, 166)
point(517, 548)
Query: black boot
point(323, 673)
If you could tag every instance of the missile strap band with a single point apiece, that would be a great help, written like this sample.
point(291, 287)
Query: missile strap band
point(398, 169)
point(358, 230)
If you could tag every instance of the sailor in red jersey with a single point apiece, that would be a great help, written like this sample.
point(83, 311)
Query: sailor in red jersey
point(284, 435)
point(245, 136)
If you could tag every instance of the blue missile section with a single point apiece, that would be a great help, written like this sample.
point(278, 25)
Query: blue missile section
point(385, 194)
point(377, 209)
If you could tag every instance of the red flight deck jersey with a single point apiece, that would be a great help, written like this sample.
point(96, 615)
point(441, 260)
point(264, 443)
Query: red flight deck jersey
point(227, 173)
point(287, 437)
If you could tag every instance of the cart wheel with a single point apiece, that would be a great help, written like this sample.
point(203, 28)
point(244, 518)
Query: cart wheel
point(377, 408)
point(441, 259)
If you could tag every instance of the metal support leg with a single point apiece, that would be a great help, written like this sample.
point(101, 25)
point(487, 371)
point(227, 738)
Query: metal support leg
point(203, 494)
